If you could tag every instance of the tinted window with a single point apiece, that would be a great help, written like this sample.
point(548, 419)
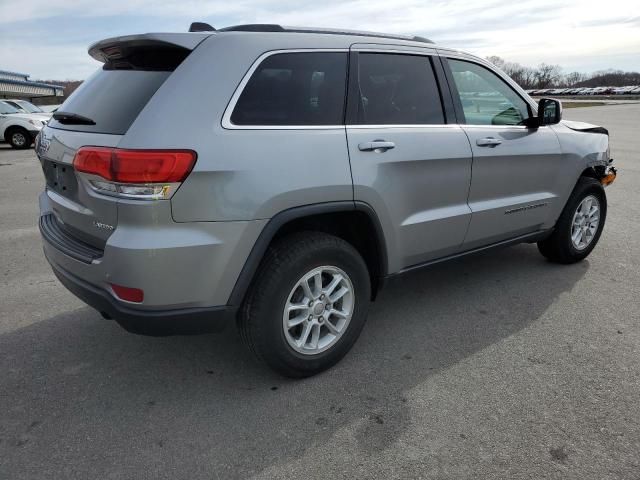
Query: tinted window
point(294, 89)
point(398, 89)
point(112, 99)
point(486, 98)
point(116, 94)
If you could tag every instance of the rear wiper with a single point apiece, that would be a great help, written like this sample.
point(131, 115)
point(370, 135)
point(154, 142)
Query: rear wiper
point(67, 118)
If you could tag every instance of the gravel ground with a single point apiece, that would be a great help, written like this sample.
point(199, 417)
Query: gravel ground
point(496, 366)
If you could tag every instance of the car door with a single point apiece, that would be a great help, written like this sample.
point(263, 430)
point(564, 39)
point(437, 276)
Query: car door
point(515, 168)
point(407, 163)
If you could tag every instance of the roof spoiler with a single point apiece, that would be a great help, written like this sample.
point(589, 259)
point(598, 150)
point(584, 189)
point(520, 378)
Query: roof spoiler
point(117, 48)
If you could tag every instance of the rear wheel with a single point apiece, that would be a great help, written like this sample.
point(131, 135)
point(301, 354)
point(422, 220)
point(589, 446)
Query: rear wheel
point(19, 138)
point(308, 304)
point(580, 225)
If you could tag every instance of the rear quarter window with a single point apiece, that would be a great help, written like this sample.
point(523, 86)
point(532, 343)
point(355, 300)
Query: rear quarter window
point(297, 89)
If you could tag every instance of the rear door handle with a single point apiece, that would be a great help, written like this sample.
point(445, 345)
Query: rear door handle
point(488, 142)
point(378, 146)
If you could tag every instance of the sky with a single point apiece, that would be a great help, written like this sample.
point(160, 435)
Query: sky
point(48, 39)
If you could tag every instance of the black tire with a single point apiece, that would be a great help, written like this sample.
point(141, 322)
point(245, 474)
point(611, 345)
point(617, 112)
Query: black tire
point(558, 247)
point(261, 318)
point(14, 135)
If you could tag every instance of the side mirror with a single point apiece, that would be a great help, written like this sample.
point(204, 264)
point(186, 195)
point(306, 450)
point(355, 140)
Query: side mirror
point(549, 111)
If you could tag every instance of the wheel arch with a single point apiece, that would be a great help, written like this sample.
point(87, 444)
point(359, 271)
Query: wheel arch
point(343, 219)
point(595, 172)
point(11, 128)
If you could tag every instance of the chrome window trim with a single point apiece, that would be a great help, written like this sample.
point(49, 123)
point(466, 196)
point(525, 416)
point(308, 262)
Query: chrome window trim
point(226, 117)
point(425, 52)
point(501, 127)
point(411, 125)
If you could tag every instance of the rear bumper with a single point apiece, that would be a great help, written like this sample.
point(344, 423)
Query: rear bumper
point(186, 271)
point(186, 321)
point(179, 266)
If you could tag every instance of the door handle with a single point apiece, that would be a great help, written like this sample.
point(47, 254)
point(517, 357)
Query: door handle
point(488, 142)
point(378, 146)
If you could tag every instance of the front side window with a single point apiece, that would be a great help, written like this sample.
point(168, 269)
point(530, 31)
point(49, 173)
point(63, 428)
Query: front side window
point(397, 89)
point(29, 107)
point(306, 88)
point(486, 98)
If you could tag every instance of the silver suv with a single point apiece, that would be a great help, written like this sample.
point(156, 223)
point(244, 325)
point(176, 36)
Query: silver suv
point(278, 176)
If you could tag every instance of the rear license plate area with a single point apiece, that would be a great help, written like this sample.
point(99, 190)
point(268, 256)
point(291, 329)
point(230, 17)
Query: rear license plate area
point(60, 178)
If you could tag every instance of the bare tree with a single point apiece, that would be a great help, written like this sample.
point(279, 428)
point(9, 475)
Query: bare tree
point(548, 75)
point(528, 78)
point(497, 61)
point(515, 71)
point(574, 78)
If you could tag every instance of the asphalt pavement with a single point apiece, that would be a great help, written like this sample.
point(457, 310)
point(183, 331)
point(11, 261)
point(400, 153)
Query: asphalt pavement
point(500, 365)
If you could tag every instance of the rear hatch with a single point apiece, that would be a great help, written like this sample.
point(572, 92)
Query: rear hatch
point(99, 113)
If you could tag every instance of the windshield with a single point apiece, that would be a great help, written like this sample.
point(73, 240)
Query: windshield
point(29, 107)
point(6, 108)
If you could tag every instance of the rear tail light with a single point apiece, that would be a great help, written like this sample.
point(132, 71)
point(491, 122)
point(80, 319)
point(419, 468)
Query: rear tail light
point(138, 174)
point(128, 294)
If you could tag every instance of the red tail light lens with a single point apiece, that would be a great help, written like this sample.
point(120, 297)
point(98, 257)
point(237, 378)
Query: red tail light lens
point(135, 166)
point(127, 293)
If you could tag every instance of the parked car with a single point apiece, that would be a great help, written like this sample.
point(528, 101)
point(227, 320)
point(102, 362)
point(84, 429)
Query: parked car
point(28, 107)
point(49, 108)
point(623, 90)
point(18, 128)
point(240, 199)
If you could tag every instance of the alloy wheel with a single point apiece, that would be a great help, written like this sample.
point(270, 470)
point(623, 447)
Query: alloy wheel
point(585, 222)
point(318, 310)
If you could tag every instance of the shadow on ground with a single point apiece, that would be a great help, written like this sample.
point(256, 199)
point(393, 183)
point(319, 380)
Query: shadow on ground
point(102, 400)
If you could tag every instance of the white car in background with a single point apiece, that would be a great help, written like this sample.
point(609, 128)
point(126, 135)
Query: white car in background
point(49, 108)
point(17, 128)
point(27, 107)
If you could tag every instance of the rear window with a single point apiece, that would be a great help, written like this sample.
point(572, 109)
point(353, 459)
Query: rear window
point(295, 89)
point(116, 94)
point(112, 99)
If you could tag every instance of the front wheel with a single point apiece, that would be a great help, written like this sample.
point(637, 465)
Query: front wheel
point(580, 225)
point(19, 138)
point(308, 304)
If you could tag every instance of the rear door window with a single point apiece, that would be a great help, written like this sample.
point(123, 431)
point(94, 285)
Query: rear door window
point(295, 89)
point(397, 89)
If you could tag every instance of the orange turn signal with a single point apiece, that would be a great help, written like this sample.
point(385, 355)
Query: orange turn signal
point(608, 179)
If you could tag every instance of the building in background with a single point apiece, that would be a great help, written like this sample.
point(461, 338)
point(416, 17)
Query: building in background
point(18, 85)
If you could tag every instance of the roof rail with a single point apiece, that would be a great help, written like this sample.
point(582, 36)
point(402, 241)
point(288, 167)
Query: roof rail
point(254, 27)
point(267, 27)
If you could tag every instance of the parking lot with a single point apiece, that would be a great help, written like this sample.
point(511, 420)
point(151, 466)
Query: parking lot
point(501, 365)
